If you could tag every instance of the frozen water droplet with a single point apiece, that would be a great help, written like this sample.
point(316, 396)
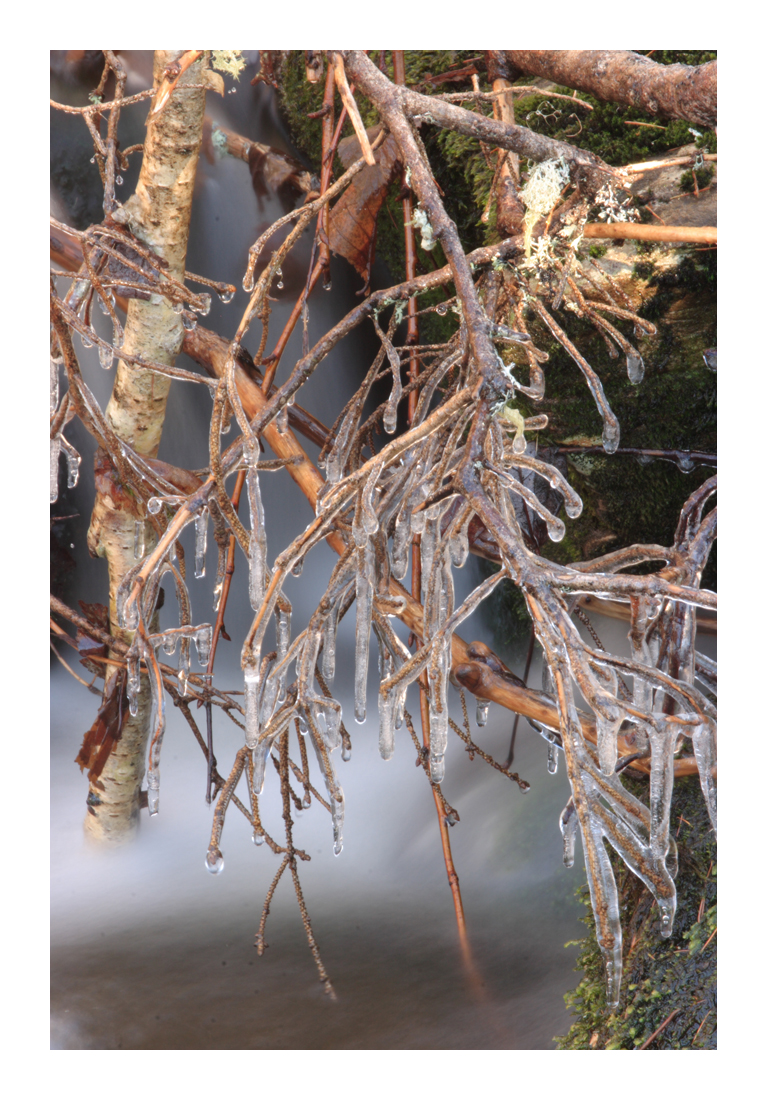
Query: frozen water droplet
point(106, 356)
point(338, 847)
point(93, 160)
point(226, 296)
point(346, 752)
point(611, 436)
point(214, 861)
point(635, 367)
point(189, 321)
point(119, 181)
point(306, 801)
point(328, 285)
point(709, 358)
point(442, 309)
point(451, 820)
point(303, 728)
point(297, 568)
point(644, 460)
point(359, 715)
point(686, 464)
point(154, 504)
point(177, 307)
point(280, 285)
point(204, 309)
point(482, 709)
point(85, 341)
point(153, 801)
point(258, 839)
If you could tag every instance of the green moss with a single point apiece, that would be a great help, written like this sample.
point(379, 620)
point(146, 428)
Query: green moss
point(659, 975)
point(703, 176)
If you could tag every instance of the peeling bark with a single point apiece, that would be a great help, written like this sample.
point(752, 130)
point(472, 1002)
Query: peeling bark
point(158, 214)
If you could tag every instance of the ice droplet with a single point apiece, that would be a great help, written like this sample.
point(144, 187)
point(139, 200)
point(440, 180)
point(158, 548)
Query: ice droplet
point(442, 309)
point(258, 839)
point(297, 567)
point(204, 309)
point(85, 341)
point(611, 436)
point(106, 356)
point(189, 321)
point(635, 367)
point(686, 464)
point(346, 752)
point(177, 307)
point(153, 801)
point(214, 861)
point(482, 710)
point(119, 181)
point(226, 296)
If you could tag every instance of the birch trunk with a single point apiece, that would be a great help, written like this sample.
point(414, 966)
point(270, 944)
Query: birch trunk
point(158, 214)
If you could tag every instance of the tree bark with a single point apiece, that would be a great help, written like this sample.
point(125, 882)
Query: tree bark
point(158, 214)
point(621, 76)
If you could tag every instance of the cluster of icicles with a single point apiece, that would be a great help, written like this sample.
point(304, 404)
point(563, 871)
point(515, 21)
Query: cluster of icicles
point(382, 505)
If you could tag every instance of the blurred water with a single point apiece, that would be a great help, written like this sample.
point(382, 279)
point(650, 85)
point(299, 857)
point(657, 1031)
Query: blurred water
point(151, 952)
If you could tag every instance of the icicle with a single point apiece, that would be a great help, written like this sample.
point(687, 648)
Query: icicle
point(283, 615)
point(153, 798)
point(54, 390)
point(568, 826)
point(201, 542)
point(337, 809)
point(55, 452)
point(552, 759)
point(252, 730)
point(169, 643)
point(364, 583)
point(608, 722)
point(329, 647)
point(203, 640)
point(183, 665)
point(704, 747)
point(73, 463)
point(386, 707)
point(438, 719)
point(134, 683)
point(139, 539)
point(635, 367)
point(482, 710)
point(281, 420)
point(258, 567)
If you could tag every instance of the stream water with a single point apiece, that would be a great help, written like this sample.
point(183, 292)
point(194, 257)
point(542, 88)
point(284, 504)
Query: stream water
point(149, 951)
